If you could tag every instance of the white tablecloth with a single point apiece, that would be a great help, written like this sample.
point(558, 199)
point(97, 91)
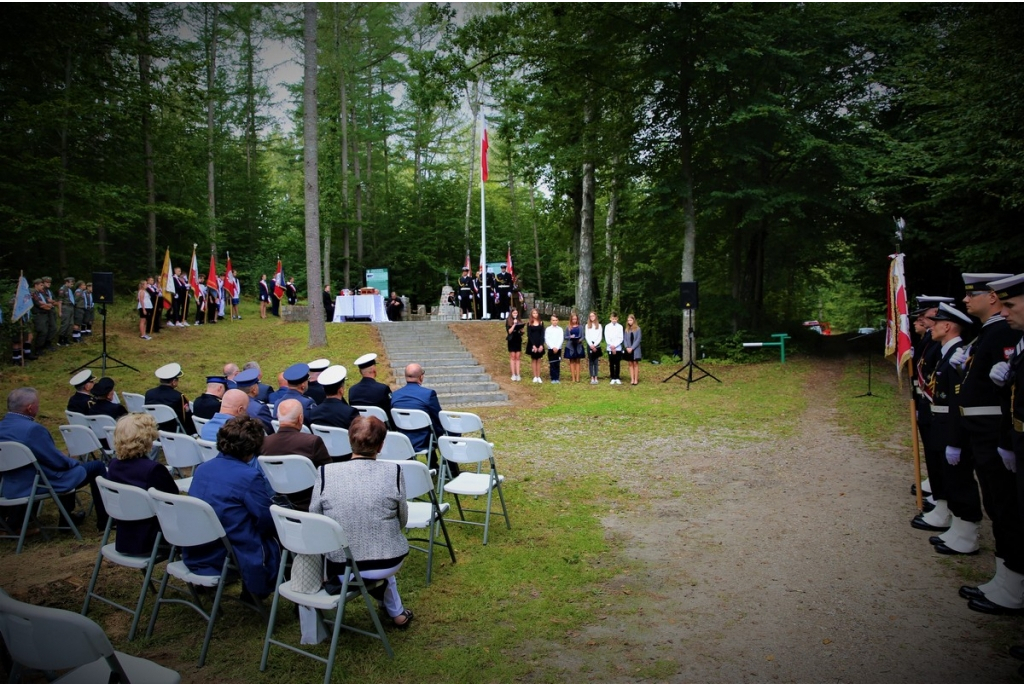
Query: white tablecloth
point(359, 307)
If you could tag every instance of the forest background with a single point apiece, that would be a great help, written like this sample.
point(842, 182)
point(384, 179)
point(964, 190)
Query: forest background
point(762, 150)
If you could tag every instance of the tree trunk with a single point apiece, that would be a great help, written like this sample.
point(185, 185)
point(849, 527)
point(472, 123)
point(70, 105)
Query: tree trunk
point(345, 213)
point(610, 241)
point(317, 326)
point(142, 11)
point(585, 278)
point(536, 242)
point(211, 76)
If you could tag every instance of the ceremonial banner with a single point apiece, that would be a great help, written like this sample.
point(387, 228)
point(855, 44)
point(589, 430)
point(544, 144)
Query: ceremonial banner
point(193, 276)
point(279, 281)
point(211, 277)
point(483, 216)
point(897, 327)
point(167, 280)
point(508, 263)
point(230, 282)
point(22, 299)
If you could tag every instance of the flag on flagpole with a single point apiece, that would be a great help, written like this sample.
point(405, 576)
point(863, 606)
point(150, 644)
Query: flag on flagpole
point(508, 263)
point(230, 282)
point(22, 299)
point(897, 328)
point(279, 281)
point(211, 277)
point(193, 276)
point(483, 153)
point(483, 220)
point(167, 280)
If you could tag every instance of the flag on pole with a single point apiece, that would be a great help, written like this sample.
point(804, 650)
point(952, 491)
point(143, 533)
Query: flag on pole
point(167, 280)
point(230, 282)
point(508, 263)
point(483, 153)
point(211, 277)
point(22, 299)
point(193, 276)
point(279, 281)
point(483, 221)
point(897, 328)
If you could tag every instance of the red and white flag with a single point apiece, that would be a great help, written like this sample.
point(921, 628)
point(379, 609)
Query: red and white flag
point(897, 328)
point(508, 262)
point(194, 282)
point(211, 277)
point(279, 281)
point(230, 282)
point(483, 154)
point(167, 280)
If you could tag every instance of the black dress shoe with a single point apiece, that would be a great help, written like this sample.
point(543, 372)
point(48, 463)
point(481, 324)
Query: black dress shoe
point(936, 540)
point(986, 607)
point(77, 518)
point(1017, 652)
point(943, 549)
point(969, 592)
point(919, 523)
point(927, 506)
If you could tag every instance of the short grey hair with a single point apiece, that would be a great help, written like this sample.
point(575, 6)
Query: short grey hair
point(21, 399)
point(251, 365)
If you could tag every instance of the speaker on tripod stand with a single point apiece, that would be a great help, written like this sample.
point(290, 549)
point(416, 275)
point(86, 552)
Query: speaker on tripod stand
point(103, 294)
point(689, 300)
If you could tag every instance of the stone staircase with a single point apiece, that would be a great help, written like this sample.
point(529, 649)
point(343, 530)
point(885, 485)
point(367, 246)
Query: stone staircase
point(449, 368)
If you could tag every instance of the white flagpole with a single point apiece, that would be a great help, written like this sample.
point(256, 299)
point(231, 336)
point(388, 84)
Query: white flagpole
point(483, 230)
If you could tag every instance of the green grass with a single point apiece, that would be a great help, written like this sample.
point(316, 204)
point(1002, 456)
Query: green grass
point(884, 414)
point(503, 612)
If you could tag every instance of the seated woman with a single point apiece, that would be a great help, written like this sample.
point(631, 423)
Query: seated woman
point(133, 441)
point(367, 498)
point(239, 495)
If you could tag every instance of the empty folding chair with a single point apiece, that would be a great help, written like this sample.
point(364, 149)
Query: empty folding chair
point(375, 412)
point(76, 419)
point(48, 639)
point(336, 439)
point(134, 402)
point(429, 514)
point(304, 533)
point(163, 414)
point(80, 441)
point(199, 423)
point(397, 447)
point(277, 426)
point(181, 453)
point(186, 522)
point(99, 424)
point(123, 503)
point(415, 420)
point(207, 449)
point(473, 451)
point(14, 455)
point(288, 474)
point(460, 423)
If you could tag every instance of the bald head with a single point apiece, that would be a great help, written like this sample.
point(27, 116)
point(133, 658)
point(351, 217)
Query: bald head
point(230, 370)
point(235, 402)
point(281, 382)
point(414, 373)
point(289, 413)
point(216, 389)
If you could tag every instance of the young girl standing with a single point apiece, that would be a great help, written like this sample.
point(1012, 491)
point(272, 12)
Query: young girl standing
point(535, 343)
point(594, 335)
point(631, 342)
point(514, 338)
point(574, 346)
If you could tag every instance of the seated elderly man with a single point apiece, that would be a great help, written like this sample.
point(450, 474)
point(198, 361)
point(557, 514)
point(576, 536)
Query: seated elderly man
point(264, 393)
point(414, 396)
point(248, 382)
point(334, 411)
point(230, 371)
point(240, 496)
point(82, 382)
point(208, 404)
point(235, 403)
point(291, 440)
point(102, 403)
point(297, 377)
point(64, 473)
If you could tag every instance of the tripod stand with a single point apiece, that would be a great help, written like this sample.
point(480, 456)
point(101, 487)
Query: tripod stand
point(868, 393)
point(689, 366)
point(103, 355)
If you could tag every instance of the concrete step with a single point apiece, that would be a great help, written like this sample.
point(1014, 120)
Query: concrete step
point(426, 353)
point(445, 377)
point(431, 363)
point(442, 386)
point(471, 399)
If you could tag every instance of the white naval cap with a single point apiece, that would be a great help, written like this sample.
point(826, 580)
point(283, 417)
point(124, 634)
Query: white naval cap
point(82, 377)
point(950, 313)
point(366, 360)
point(168, 372)
point(333, 375)
point(979, 282)
point(319, 365)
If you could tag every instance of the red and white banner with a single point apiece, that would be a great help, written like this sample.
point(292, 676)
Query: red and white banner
point(508, 262)
point(194, 283)
point(483, 154)
point(897, 328)
point(230, 282)
point(211, 276)
point(279, 281)
point(167, 281)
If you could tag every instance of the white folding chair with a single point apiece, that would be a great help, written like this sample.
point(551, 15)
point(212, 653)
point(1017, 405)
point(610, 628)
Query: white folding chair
point(163, 414)
point(186, 522)
point(80, 441)
point(14, 455)
point(375, 412)
point(397, 447)
point(457, 423)
point(207, 449)
point(473, 451)
point(429, 514)
point(336, 439)
point(48, 639)
point(415, 420)
point(288, 474)
point(277, 427)
point(134, 402)
point(123, 503)
point(76, 419)
point(99, 424)
point(199, 423)
point(181, 452)
point(304, 533)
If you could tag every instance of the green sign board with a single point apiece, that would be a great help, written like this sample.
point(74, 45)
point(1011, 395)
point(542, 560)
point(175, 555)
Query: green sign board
point(378, 278)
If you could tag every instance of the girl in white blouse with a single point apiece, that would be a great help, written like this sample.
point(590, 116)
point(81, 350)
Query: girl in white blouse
point(613, 339)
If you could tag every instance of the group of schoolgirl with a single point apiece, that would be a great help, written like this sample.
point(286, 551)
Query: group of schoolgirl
point(574, 343)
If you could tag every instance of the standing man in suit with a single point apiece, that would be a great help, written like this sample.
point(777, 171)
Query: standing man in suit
point(334, 410)
point(369, 392)
point(167, 394)
point(414, 396)
point(328, 304)
point(180, 297)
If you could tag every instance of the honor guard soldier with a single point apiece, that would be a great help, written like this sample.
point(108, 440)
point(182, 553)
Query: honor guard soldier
point(297, 378)
point(926, 353)
point(41, 307)
point(504, 283)
point(208, 404)
point(167, 394)
point(334, 410)
point(953, 489)
point(369, 392)
point(83, 382)
point(248, 382)
point(67, 310)
point(315, 391)
point(978, 414)
point(466, 288)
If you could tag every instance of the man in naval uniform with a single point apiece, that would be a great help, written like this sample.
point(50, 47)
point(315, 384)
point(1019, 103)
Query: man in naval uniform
point(369, 392)
point(167, 394)
point(208, 404)
point(264, 390)
point(297, 378)
point(315, 391)
point(503, 281)
point(248, 382)
point(82, 382)
point(466, 293)
point(334, 410)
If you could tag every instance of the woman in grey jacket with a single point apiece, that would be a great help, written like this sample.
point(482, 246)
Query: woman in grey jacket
point(367, 497)
point(631, 345)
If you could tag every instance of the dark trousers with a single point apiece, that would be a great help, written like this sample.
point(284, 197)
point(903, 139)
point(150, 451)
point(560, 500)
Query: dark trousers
point(961, 488)
point(503, 301)
point(178, 310)
point(153, 318)
point(614, 360)
point(933, 444)
point(999, 496)
point(555, 364)
point(275, 305)
point(93, 469)
point(466, 301)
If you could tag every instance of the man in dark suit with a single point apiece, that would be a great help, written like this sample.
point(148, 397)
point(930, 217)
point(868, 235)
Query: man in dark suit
point(208, 404)
point(414, 396)
point(328, 304)
point(291, 440)
point(368, 392)
point(334, 410)
point(167, 393)
point(247, 382)
point(83, 382)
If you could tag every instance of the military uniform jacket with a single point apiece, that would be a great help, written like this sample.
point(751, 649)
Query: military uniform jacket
point(101, 406)
point(979, 405)
point(315, 391)
point(1016, 384)
point(205, 406)
point(293, 394)
point(260, 410)
point(165, 394)
point(926, 355)
point(79, 402)
point(334, 412)
point(466, 284)
point(504, 281)
point(942, 384)
point(369, 392)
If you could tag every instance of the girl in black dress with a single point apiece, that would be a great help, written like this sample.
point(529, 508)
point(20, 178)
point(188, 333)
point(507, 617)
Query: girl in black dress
point(574, 346)
point(514, 337)
point(535, 343)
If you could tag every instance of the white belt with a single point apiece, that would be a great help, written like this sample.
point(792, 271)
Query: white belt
point(981, 411)
point(940, 409)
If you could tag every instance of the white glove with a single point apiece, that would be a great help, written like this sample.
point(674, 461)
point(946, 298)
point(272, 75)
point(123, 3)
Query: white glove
point(1000, 373)
point(1009, 459)
point(959, 357)
point(952, 455)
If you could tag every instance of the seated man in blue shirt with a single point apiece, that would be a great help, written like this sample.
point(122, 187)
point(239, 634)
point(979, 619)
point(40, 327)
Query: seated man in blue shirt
point(414, 396)
point(64, 473)
point(235, 403)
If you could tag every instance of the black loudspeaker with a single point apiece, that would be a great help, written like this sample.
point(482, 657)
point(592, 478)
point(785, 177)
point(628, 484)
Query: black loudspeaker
point(688, 297)
point(103, 287)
